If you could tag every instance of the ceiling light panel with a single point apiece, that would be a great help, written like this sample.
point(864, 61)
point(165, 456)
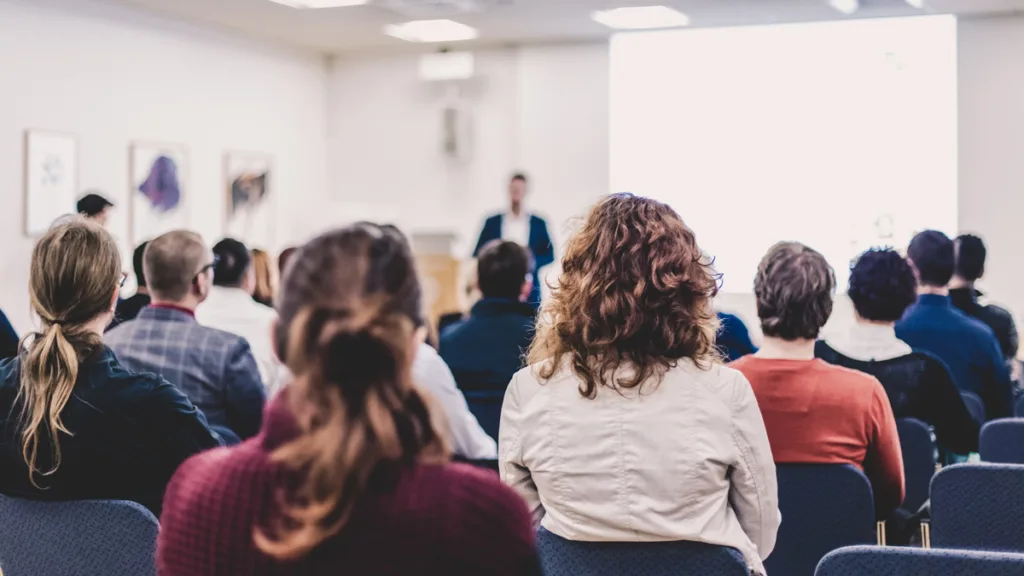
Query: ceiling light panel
point(313, 4)
point(641, 18)
point(431, 31)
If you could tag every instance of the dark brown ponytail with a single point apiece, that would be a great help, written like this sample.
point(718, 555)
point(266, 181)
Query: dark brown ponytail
point(349, 312)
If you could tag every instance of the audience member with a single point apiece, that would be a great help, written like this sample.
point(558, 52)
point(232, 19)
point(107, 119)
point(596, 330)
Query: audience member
point(733, 339)
point(215, 369)
point(967, 347)
point(95, 207)
point(230, 307)
point(130, 307)
point(349, 472)
point(918, 385)
point(75, 423)
point(970, 267)
point(485, 350)
point(282, 262)
point(519, 226)
point(263, 289)
point(9, 342)
point(816, 412)
point(624, 427)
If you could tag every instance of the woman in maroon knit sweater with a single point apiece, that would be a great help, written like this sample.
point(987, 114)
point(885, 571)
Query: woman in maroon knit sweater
point(348, 475)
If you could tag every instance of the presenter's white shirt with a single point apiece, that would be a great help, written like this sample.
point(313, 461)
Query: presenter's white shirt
point(516, 228)
point(233, 310)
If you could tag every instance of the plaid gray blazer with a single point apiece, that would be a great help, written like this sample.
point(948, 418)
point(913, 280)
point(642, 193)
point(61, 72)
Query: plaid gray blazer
point(215, 369)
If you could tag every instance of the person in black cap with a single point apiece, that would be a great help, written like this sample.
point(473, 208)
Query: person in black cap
point(95, 207)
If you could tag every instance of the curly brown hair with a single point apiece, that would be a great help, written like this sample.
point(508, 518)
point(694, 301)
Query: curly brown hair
point(635, 292)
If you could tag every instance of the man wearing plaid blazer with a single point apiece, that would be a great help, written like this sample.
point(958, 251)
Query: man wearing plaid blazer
point(215, 369)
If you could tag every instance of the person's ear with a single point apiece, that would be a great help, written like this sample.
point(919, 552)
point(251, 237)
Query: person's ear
point(524, 291)
point(113, 301)
point(273, 339)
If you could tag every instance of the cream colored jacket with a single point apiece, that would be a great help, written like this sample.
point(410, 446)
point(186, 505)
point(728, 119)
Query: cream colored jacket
point(686, 459)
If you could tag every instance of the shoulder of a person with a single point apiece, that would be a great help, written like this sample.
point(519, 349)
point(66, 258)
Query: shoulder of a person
point(849, 379)
point(138, 388)
point(996, 311)
point(717, 378)
point(472, 488)
point(190, 489)
point(9, 372)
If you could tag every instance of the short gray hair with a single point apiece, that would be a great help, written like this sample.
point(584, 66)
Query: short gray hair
point(171, 262)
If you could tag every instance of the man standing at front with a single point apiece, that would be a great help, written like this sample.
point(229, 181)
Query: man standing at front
point(519, 226)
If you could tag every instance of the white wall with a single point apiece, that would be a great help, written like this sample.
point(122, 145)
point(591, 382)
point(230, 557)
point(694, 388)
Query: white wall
point(111, 77)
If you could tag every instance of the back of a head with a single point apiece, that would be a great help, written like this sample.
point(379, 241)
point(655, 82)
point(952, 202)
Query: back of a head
point(138, 264)
point(92, 204)
point(970, 257)
point(882, 285)
point(794, 288)
point(349, 310)
point(502, 269)
point(171, 262)
point(264, 289)
point(76, 271)
point(635, 292)
point(934, 258)
point(233, 261)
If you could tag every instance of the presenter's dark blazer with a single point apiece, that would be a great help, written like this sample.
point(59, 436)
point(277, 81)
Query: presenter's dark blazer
point(540, 246)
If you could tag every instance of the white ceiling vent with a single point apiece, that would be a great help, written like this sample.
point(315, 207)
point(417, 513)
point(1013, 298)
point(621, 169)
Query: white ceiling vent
point(425, 9)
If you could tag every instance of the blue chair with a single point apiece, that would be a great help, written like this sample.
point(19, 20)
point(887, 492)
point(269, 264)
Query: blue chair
point(561, 557)
point(875, 561)
point(919, 459)
point(73, 538)
point(824, 507)
point(978, 507)
point(1002, 441)
point(975, 406)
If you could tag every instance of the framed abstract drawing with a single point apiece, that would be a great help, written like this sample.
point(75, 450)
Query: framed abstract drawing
point(249, 198)
point(51, 178)
point(159, 190)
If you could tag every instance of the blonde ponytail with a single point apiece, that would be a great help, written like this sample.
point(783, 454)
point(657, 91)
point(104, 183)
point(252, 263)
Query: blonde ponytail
point(74, 277)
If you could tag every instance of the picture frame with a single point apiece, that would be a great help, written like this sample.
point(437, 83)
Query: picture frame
point(51, 178)
point(159, 189)
point(249, 198)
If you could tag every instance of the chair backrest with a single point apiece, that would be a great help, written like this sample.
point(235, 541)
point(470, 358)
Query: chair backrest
point(561, 557)
point(890, 561)
point(974, 405)
point(112, 538)
point(919, 459)
point(824, 507)
point(978, 507)
point(1002, 441)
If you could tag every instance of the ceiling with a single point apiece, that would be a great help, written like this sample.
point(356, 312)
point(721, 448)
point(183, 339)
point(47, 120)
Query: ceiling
point(358, 28)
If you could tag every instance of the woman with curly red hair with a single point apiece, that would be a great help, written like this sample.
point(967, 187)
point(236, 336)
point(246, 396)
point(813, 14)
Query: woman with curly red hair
point(625, 426)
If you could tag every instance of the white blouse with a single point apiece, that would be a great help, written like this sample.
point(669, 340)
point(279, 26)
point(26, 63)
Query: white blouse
point(866, 342)
point(687, 459)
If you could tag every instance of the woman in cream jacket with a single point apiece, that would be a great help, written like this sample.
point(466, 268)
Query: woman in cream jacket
point(625, 427)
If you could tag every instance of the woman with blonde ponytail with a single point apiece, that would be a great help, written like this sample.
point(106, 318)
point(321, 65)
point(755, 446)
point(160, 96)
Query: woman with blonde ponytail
point(76, 425)
point(348, 474)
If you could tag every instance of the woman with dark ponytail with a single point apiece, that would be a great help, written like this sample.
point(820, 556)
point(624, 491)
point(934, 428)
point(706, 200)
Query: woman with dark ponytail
point(76, 425)
point(349, 474)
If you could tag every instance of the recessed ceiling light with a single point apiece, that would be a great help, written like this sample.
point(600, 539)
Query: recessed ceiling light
point(431, 31)
point(845, 6)
point(641, 18)
point(916, 3)
point(304, 4)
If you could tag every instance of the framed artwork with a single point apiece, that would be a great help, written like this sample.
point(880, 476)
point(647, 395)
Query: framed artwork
point(51, 178)
point(159, 193)
point(248, 188)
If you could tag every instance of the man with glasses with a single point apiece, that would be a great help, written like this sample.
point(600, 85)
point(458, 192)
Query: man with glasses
point(486, 350)
point(215, 369)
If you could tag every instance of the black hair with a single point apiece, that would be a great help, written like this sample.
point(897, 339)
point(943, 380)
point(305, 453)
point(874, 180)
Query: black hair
point(970, 257)
point(137, 260)
point(519, 176)
point(882, 285)
point(233, 261)
point(932, 254)
point(92, 204)
point(501, 269)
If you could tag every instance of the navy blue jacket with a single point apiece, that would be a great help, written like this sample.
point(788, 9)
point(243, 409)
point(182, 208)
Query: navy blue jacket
point(540, 246)
point(967, 347)
point(8, 338)
point(130, 432)
point(733, 339)
point(486, 350)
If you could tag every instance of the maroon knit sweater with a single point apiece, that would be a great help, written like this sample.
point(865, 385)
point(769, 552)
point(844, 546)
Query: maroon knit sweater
point(426, 519)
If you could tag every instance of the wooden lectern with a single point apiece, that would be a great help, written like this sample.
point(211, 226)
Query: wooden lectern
point(440, 273)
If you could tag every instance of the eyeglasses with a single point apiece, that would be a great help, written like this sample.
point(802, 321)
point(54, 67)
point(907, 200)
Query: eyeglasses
point(206, 268)
point(124, 277)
